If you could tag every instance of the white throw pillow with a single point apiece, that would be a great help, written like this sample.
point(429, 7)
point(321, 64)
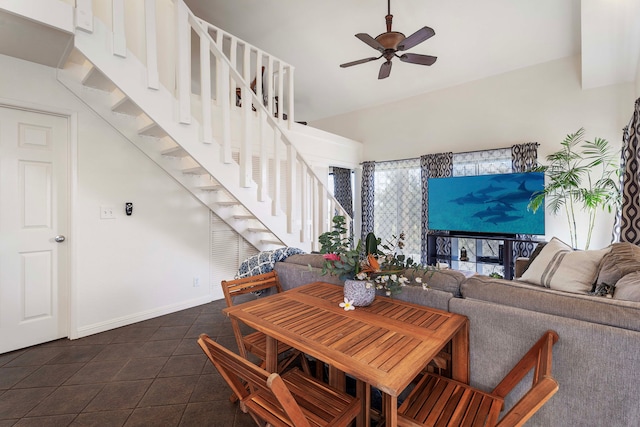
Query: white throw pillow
point(560, 267)
point(628, 288)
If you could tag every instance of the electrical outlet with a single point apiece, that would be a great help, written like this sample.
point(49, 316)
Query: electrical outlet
point(107, 212)
point(196, 282)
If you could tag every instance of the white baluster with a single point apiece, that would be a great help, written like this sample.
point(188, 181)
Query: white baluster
point(153, 79)
point(233, 53)
point(270, 75)
point(304, 203)
point(290, 98)
point(280, 92)
point(277, 193)
point(205, 87)
point(263, 177)
point(219, 91)
point(323, 208)
point(183, 62)
point(246, 168)
point(291, 188)
point(223, 96)
point(259, 82)
point(84, 15)
point(315, 211)
point(119, 36)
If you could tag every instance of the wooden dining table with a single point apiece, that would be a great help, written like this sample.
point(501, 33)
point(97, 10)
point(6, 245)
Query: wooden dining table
point(384, 345)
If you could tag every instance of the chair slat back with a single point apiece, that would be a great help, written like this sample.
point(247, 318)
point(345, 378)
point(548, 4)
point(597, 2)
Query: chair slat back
point(245, 285)
point(539, 358)
point(235, 369)
point(234, 288)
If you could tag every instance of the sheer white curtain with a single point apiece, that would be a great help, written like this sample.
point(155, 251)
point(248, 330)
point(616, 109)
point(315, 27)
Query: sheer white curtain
point(398, 199)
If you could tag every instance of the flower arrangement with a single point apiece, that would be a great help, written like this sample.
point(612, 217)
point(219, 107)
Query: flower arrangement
point(380, 264)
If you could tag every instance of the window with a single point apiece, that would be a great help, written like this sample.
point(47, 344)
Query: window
point(398, 201)
point(483, 162)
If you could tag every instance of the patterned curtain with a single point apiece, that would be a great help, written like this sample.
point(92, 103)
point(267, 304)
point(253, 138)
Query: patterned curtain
point(433, 166)
point(524, 157)
point(342, 188)
point(630, 210)
point(368, 197)
point(617, 219)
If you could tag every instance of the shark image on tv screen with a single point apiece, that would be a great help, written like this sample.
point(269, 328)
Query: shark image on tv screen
point(490, 204)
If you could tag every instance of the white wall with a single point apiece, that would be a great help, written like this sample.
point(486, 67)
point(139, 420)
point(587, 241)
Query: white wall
point(128, 268)
point(638, 81)
point(542, 103)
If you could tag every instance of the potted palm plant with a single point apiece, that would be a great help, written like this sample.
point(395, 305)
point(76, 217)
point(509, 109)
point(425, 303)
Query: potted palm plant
point(581, 175)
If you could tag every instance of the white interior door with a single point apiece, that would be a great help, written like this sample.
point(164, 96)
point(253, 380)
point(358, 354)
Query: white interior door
point(33, 212)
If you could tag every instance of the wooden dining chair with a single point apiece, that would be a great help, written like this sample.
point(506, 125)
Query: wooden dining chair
point(293, 399)
point(441, 401)
point(256, 342)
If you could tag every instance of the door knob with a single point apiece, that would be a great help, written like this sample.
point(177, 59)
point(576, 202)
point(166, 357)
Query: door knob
point(59, 238)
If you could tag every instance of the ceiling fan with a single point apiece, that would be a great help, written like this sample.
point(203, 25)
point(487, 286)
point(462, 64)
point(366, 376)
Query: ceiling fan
point(391, 42)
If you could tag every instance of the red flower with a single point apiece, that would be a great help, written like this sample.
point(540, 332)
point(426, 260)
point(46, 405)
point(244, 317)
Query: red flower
point(331, 257)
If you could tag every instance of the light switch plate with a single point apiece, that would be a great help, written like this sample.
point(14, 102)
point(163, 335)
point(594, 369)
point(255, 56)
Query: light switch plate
point(107, 212)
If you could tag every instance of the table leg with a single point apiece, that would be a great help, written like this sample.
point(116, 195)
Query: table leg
point(460, 355)
point(337, 378)
point(390, 410)
point(363, 392)
point(271, 362)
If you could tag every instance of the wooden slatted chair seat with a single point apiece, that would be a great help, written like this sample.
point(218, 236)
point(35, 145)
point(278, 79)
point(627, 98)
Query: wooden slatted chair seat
point(439, 401)
point(293, 399)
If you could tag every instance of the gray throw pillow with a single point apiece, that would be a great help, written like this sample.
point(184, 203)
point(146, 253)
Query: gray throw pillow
point(623, 259)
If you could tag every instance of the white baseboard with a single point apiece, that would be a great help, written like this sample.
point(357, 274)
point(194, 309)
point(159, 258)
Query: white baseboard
point(137, 317)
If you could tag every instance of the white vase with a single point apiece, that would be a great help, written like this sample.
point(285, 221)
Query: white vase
point(358, 292)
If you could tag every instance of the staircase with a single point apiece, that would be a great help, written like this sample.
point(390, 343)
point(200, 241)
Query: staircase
point(226, 144)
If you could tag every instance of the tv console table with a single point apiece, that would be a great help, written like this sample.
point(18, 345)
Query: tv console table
point(478, 260)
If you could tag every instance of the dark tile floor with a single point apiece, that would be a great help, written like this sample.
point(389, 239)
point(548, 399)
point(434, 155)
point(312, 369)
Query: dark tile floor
point(151, 373)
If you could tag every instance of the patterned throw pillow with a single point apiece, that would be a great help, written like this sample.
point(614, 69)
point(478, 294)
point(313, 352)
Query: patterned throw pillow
point(560, 267)
point(264, 261)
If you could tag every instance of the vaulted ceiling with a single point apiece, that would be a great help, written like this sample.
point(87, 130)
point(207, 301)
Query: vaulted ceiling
point(473, 40)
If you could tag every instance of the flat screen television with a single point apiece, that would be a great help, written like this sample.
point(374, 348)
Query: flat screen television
point(486, 204)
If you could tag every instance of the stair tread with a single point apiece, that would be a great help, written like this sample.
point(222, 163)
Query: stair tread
point(95, 79)
point(244, 217)
point(152, 129)
point(271, 242)
point(126, 106)
point(228, 203)
point(214, 187)
point(176, 151)
point(198, 170)
point(258, 230)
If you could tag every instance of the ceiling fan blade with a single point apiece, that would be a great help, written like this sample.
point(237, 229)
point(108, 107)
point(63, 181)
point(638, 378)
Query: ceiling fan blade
point(418, 37)
point(385, 70)
point(415, 58)
point(370, 41)
point(359, 61)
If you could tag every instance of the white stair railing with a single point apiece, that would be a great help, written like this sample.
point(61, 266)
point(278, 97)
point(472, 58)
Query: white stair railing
point(267, 158)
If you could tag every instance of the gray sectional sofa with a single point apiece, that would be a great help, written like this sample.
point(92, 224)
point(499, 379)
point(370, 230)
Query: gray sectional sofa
point(596, 361)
